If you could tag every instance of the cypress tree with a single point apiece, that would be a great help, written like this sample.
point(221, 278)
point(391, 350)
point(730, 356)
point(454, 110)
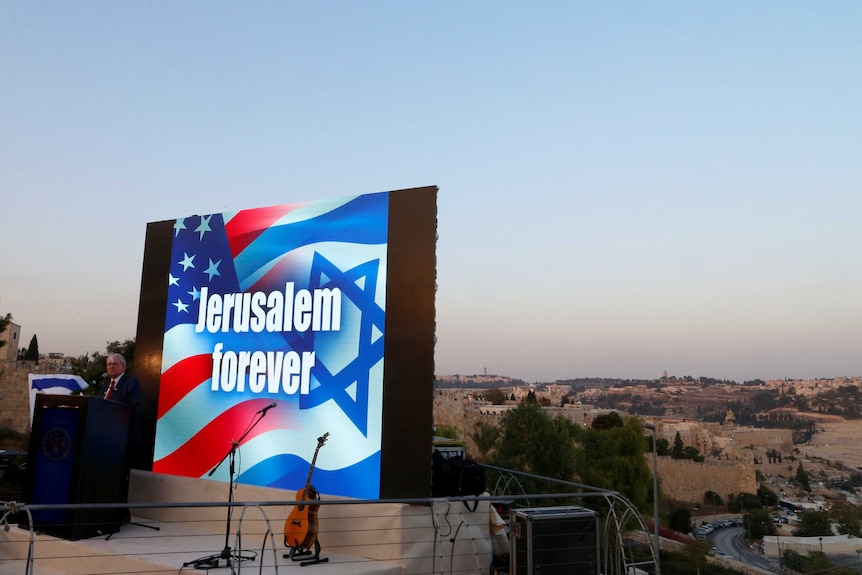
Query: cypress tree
point(33, 350)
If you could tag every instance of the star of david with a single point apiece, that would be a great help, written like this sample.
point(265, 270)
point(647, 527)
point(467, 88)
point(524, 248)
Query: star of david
point(358, 285)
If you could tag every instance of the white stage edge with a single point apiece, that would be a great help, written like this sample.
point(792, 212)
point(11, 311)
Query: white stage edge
point(440, 538)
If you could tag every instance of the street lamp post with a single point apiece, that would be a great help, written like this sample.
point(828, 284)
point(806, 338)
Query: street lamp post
point(651, 427)
point(778, 544)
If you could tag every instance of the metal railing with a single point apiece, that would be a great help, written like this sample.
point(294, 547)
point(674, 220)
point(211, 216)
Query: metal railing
point(420, 536)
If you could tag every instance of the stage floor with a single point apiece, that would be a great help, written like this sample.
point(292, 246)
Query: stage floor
point(357, 539)
point(173, 548)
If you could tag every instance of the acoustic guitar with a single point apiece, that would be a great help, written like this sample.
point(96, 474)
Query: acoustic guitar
point(300, 528)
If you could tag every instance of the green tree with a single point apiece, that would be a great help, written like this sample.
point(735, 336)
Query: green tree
point(679, 519)
point(848, 517)
point(733, 503)
point(814, 562)
point(614, 459)
point(495, 396)
point(447, 431)
point(757, 523)
point(749, 501)
point(851, 527)
point(4, 323)
point(794, 560)
point(802, 479)
point(693, 560)
point(767, 496)
point(33, 350)
point(92, 366)
point(607, 421)
point(678, 448)
point(689, 452)
point(662, 446)
point(533, 442)
point(712, 498)
point(743, 502)
point(814, 524)
point(485, 436)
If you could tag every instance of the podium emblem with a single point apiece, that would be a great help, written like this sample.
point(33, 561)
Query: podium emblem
point(56, 444)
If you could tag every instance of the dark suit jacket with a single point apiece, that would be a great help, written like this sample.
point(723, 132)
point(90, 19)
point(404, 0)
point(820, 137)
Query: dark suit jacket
point(128, 390)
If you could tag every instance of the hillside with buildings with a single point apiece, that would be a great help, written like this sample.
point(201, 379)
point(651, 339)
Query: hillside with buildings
point(750, 401)
point(740, 432)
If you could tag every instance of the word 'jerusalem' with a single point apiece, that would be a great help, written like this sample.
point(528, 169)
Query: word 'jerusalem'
point(276, 311)
point(291, 310)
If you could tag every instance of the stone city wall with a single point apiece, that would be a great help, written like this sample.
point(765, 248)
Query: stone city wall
point(14, 386)
point(681, 479)
point(455, 408)
point(779, 439)
point(830, 545)
point(459, 409)
point(686, 480)
point(786, 468)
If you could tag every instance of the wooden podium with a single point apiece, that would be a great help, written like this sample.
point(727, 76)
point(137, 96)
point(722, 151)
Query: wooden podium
point(78, 456)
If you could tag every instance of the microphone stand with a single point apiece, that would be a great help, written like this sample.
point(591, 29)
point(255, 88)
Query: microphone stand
point(226, 554)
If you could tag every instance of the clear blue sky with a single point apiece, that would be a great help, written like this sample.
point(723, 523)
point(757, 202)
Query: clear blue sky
point(626, 188)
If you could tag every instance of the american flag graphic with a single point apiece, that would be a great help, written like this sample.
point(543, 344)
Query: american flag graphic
point(327, 245)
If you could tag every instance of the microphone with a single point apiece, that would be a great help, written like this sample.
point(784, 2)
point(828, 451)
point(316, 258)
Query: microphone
point(267, 408)
point(100, 380)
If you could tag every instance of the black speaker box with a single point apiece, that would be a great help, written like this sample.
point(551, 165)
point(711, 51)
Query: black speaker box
point(554, 541)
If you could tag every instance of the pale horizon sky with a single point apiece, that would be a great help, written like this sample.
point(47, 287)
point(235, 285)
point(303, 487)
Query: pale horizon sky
point(624, 188)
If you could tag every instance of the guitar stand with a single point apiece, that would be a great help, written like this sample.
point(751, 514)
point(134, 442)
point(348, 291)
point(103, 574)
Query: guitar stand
point(296, 554)
point(153, 527)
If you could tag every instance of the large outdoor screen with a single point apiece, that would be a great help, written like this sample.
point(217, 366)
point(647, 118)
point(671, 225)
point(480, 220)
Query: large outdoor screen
point(296, 328)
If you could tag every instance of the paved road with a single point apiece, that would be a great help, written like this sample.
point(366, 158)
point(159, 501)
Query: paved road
point(846, 560)
point(730, 543)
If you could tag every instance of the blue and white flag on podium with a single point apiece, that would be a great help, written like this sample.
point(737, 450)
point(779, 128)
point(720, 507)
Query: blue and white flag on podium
point(55, 384)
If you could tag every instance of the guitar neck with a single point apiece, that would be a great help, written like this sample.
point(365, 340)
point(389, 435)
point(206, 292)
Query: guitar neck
point(311, 470)
point(320, 442)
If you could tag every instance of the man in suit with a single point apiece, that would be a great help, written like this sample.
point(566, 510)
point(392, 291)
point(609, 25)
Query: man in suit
point(125, 388)
point(121, 387)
